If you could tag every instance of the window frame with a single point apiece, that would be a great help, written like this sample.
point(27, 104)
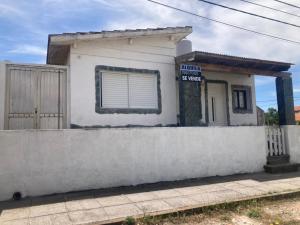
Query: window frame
point(98, 78)
point(246, 90)
point(237, 94)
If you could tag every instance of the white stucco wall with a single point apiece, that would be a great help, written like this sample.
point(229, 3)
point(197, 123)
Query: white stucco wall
point(2, 94)
point(39, 162)
point(153, 53)
point(293, 142)
point(233, 79)
point(144, 53)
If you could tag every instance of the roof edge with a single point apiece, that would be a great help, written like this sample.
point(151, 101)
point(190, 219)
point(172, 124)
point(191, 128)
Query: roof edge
point(195, 53)
point(69, 37)
point(236, 64)
point(248, 58)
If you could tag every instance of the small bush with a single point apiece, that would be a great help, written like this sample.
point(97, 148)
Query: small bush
point(147, 219)
point(225, 218)
point(129, 221)
point(254, 213)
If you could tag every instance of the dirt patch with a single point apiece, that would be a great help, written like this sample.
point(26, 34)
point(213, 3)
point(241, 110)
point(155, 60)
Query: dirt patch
point(285, 210)
point(263, 212)
point(219, 220)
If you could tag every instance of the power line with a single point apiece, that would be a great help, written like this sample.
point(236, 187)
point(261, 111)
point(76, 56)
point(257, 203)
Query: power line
point(227, 24)
point(249, 13)
point(271, 8)
point(286, 3)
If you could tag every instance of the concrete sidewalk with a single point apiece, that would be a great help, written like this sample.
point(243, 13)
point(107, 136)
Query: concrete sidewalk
point(114, 205)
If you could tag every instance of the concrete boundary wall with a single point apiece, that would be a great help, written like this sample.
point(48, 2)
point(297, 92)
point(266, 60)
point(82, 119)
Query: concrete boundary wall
point(292, 136)
point(41, 162)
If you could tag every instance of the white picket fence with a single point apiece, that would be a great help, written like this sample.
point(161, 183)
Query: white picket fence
point(276, 141)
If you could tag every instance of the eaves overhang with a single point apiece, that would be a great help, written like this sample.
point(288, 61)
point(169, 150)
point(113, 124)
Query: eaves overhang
point(227, 63)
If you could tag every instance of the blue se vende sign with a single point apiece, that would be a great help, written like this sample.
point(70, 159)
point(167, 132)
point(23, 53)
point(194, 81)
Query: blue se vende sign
point(190, 73)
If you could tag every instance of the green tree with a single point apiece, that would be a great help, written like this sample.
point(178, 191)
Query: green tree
point(272, 117)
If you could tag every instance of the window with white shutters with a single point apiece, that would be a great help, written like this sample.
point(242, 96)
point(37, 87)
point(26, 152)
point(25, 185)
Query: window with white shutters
point(122, 90)
point(114, 90)
point(142, 91)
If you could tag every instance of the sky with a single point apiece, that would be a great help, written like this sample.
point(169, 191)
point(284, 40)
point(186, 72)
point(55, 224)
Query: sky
point(25, 25)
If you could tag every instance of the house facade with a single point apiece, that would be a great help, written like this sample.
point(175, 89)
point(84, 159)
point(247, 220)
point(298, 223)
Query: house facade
point(261, 120)
point(121, 78)
point(129, 78)
point(297, 114)
point(226, 99)
point(135, 78)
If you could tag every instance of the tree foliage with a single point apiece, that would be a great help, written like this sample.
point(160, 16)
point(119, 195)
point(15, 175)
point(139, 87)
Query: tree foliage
point(272, 117)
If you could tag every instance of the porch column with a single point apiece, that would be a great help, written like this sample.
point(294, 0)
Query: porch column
point(190, 78)
point(285, 100)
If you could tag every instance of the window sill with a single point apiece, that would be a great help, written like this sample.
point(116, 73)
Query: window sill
point(242, 111)
point(127, 111)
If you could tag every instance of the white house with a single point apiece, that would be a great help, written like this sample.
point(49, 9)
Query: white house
point(133, 78)
point(123, 78)
point(146, 77)
point(137, 72)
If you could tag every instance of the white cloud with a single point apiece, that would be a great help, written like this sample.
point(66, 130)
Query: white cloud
point(207, 36)
point(212, 37)
point(108, 3)
point(29, 50)
point(7, 9)
point(143, 14)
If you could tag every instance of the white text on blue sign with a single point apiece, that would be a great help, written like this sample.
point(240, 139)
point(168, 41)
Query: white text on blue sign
point(191, 78)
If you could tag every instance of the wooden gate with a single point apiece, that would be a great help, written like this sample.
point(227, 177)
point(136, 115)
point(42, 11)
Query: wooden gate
point(276, 141)
point(36, 97)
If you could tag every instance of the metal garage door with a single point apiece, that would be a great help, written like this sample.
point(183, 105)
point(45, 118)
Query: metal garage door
point(36, 97)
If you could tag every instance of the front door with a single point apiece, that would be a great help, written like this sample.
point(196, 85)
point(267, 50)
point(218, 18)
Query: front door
point(217, 104)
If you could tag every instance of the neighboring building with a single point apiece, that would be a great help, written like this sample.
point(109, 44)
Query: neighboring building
point(261, 121)
point(297, 114)
point(134, 78)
